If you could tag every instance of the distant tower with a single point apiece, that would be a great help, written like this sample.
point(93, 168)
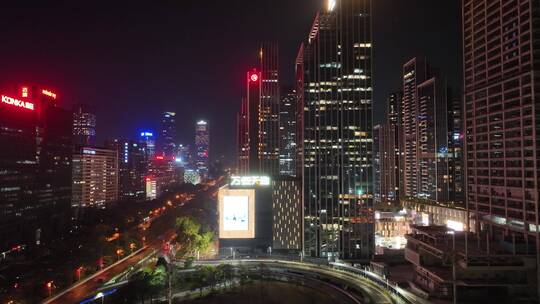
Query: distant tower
point(287, 133)
point(147, 137)
point(269, 110)
point(166, 139)
point(84, 125)
point(202, 142)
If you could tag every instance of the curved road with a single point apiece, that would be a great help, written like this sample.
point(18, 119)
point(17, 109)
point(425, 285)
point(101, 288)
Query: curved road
point(372, 293)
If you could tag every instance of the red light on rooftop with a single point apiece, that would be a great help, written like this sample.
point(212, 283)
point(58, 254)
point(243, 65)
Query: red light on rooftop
point(254, 77)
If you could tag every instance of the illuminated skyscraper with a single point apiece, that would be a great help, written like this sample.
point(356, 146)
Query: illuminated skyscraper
point(84, 125)
point(147, 137)
point(202, 145)
point(338, 142)
point(269, 110)
point(242, 138)
point(287, 133)
point(166, 139)
point(132, 168)
point(35, 165)
point(258, 120)
point(250, 123)
point(425, 125)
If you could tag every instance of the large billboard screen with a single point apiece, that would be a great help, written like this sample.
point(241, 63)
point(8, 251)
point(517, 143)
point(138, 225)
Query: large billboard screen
point(236, 213)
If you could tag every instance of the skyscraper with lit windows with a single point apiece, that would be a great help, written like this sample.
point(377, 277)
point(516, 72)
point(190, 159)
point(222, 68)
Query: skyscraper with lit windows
point(338, 143)
point(166, 141)
point(84, 125)
point(202, 145)
point(269, 109)
point(287, 133)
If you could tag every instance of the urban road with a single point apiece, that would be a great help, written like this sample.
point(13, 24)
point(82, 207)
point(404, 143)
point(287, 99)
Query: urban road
point(88, 286)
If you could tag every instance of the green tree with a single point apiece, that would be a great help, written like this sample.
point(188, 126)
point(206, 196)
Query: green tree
point(187, 232)
point(204, 242)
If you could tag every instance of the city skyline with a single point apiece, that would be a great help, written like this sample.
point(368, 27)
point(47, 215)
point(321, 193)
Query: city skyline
point(384, 150)
point(77, 62)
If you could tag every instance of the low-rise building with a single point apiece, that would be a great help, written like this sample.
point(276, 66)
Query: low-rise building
point(287, 214)
point(483, 270)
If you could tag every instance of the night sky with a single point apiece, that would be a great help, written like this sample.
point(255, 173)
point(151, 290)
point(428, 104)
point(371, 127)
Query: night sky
point(134, 60)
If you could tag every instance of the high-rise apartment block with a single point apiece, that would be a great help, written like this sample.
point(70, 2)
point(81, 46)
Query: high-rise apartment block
point(500, 54)
point(425, 126)
point(95, 177)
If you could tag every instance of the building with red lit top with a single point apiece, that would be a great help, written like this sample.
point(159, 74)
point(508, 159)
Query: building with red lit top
point(35, 166)
point(248, 133)
point(258, 119)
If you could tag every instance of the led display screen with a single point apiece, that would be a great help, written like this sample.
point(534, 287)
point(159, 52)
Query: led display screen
point(236, 213)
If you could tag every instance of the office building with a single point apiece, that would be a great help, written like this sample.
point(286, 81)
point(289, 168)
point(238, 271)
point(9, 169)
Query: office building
point(287, 215)
point(250, 140)
point(95, 177)
point(132, 168)
point(147, 138)
point(84, 125)
point(164, 172)
point(287, 133)
point(35, 184)
point(184, 156)
point(167, 137)
point(338, 139)
point(269, 109)
point(202, 145)
point(242, 139)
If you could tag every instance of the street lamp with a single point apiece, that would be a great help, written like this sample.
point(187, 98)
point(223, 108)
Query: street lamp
point(78, 271)
point(100, 295)
point(50, 287)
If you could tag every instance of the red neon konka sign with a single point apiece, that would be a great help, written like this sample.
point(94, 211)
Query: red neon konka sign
point(17, 103)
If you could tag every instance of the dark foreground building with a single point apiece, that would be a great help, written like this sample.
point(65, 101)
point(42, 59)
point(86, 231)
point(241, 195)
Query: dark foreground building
point(500, 52)
point(35, 166)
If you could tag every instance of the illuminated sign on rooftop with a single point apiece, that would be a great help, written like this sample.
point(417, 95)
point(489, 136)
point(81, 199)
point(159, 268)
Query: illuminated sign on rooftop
point(249, 181)
point(147, 134)
point(48, 93)
point(17, 103)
